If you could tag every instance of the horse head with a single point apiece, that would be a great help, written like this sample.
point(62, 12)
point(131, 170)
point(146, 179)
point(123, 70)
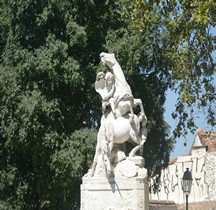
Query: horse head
point(108, 59)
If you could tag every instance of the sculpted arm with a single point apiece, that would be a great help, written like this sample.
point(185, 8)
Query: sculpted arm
point(110, 93)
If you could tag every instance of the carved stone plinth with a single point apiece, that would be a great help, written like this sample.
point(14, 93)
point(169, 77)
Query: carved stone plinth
point(114, 193)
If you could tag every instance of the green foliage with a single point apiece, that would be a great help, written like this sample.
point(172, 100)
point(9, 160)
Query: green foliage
point(49, 56)
point(186, 27)
point(69, 164)
point(47, 53)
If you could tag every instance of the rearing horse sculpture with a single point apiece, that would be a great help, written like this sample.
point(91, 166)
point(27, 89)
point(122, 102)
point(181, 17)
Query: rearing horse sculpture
point(118, 124)
point(123, 93)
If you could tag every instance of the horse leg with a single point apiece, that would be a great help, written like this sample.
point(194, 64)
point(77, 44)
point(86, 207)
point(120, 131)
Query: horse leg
point(134, 150)
point(138, 102)
point(113, 106)
point(141, 142)
point(143, 133)
point(142, 147)
point(131, 105)
point(134, 134)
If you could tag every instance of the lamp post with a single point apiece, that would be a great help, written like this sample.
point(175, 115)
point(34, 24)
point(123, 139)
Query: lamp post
point(186, 184)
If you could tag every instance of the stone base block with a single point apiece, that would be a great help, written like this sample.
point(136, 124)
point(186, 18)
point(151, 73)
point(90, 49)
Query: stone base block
point(119, 193)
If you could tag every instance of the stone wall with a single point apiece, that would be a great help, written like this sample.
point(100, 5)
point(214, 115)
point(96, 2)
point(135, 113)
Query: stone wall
point(203, 168)
point(114, 193)
point(211, 175)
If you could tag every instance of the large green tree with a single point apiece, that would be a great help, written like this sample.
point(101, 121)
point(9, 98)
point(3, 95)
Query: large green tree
point(49, 56)
point(188, 28)
point(48, 50)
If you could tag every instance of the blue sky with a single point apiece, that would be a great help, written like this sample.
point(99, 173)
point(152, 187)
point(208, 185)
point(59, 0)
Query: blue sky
point(200, 121)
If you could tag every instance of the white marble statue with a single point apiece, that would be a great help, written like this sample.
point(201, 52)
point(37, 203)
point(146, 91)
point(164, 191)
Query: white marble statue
point(119, 123)
point(122, 94)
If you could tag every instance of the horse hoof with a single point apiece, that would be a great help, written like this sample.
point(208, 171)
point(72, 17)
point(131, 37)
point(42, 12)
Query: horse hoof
point(143, 138)
point(141, 117)
point(131, 155)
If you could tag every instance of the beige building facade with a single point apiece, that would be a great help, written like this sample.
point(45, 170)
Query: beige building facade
point(201, 162)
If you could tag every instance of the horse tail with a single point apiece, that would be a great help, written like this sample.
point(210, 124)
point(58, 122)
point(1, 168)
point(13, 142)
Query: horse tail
point(107, 164)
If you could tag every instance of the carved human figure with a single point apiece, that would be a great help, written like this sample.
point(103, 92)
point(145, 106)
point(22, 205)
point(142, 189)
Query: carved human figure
point(122, 89)
point(108, 90)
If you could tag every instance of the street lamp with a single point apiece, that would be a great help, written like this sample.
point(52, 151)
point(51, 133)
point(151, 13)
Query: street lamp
point(186, 184)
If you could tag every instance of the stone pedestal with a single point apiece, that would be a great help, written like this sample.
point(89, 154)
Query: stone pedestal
point(114, 193)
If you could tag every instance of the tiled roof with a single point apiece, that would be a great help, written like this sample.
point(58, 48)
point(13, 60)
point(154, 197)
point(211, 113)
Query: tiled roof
point(208, 138)
point(173, 161)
